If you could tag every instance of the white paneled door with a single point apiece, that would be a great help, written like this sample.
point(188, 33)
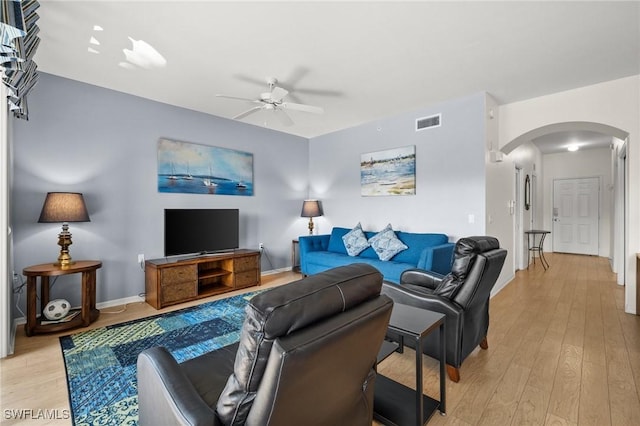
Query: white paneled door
point(576, 215)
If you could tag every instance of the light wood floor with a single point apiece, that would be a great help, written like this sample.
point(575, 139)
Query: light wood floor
point(561, 352)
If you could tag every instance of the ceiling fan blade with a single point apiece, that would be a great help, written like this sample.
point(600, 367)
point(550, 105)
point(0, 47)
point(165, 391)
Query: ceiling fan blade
point(278, 93)
point(247, 112)
point(248, 79)
point(302, 107)
point(236, 98)
point(283, 117)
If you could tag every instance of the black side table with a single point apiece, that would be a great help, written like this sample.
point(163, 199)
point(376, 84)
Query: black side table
point(394, 403)
point(533, 247)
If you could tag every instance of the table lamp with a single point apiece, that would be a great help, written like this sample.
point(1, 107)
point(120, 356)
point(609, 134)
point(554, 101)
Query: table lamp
point(311, 209)
point(64, 207)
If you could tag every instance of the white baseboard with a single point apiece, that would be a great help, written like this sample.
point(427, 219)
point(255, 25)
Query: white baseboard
point(499, 286)
point(275, 271)
point(119, 302)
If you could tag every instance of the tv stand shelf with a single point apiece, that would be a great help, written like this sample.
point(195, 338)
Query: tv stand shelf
point(170, 281)
point(212, 273)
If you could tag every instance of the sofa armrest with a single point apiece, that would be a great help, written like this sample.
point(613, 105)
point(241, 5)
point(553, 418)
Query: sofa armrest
point(310, 243)
point(314, 243)
point(421, 277)
point(165, 394)
point(437, 258)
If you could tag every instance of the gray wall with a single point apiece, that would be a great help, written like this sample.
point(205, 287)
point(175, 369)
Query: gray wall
point(450, 172)
point(103, 143)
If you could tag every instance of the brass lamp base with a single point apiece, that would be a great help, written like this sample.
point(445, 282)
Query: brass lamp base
point(64, 241)
point(310, 226)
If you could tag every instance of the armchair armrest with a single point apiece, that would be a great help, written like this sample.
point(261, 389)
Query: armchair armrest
point(407, 296)
point(421, 277)
point(165, 395)
point(454, 316)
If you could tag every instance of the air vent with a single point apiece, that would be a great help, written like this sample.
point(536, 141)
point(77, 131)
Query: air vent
point(428, 122)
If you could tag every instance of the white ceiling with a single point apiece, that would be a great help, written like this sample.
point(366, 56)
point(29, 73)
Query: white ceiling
point(560, 141)
point(360, 61)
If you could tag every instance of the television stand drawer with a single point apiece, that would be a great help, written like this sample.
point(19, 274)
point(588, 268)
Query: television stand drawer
point(179, 274)
point(248, 278)
point(174, 293)
point(246, 263)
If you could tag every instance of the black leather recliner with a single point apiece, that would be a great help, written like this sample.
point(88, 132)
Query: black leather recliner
point(462, 295)
point(306, 356)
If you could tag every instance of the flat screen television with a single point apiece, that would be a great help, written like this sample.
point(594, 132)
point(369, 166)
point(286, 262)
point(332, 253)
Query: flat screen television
point(200, 231)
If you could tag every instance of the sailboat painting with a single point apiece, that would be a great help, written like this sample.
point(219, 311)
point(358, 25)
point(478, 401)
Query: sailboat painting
point(191, 168)
point(390, 172)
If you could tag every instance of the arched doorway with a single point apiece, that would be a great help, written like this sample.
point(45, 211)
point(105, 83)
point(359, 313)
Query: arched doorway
point(616, 194)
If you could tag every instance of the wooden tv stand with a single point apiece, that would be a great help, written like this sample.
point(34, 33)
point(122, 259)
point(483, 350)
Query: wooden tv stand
point(170, 281)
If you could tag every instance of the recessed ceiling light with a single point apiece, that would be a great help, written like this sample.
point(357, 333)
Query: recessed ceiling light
point(97, 28)
point(92, 50)
point(94, 41)
point(573, 148)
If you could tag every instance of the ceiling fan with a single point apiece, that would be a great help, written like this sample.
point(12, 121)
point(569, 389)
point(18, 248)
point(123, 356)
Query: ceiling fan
point(274, 100)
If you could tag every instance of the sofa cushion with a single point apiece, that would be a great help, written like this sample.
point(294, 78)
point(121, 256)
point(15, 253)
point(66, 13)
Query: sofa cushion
point(318, 261)
point(281, 311)
point(336, 245)
point(386, 244)
point(355, 241)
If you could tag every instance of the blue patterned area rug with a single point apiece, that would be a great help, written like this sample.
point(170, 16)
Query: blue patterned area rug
point(101, 363)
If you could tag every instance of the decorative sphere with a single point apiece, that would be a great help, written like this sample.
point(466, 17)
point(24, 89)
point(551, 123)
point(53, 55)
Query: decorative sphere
point(56, 309)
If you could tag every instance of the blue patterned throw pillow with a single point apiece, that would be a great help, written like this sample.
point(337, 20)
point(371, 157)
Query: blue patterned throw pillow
point(386, 244)
point(355, 241)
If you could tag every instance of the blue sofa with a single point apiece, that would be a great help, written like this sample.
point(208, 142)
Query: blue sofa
point(432, 252)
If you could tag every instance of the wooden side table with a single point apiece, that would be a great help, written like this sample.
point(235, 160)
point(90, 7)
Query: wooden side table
point(88, 313)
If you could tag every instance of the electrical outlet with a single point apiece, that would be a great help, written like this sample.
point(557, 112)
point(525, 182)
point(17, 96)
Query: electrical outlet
point(141, 259)
point(261, 246)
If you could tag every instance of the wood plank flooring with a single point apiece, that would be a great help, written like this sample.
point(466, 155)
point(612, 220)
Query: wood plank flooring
point(561, 352)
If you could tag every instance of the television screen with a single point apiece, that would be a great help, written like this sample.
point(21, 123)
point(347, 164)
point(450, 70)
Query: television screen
point(200, 231)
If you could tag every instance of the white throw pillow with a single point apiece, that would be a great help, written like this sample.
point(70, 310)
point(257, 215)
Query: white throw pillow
point(386, 244)
point(355, 241)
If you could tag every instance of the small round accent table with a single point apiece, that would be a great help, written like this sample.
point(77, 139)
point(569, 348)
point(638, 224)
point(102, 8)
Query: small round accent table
point(88, 313)
point(537, 248)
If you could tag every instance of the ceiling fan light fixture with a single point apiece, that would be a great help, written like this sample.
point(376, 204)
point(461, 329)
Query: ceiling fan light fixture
point(273, 101)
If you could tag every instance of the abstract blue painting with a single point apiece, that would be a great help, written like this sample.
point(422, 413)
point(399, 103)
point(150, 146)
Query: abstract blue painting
point(390, 172)
point(191, 168)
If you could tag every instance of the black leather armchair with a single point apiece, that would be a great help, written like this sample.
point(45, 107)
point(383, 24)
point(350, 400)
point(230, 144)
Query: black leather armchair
point(462, 295)
point(306, 356)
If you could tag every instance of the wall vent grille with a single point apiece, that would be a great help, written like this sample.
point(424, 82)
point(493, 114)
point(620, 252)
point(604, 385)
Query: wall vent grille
point(429, 122)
